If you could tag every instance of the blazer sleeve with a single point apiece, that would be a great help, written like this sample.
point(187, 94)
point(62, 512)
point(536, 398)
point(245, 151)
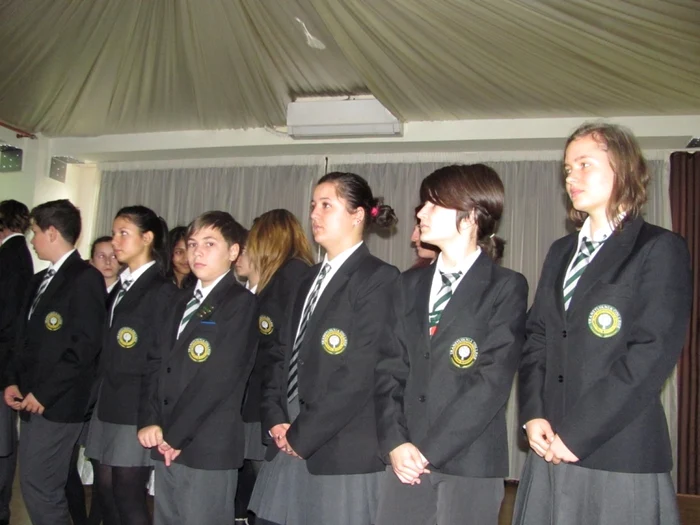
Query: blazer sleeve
point(391, 376)
point(219, 376)
point(488, 388)
point(149, 407)
point(13, 286)
point(352, 383)
point(531, 374)
point(13, 361)
point(662, 304)
point(87, 312)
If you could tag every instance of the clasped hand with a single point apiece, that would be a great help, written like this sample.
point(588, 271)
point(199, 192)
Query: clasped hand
point(152, 436)
point(546, 443)
point(408, 463)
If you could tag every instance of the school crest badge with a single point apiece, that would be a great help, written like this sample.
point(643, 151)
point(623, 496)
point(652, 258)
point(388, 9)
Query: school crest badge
point(127, 337)
point(605, 321)
point(334, 341)
point(464, 352)
point(265, 325)
point(199, 350)
point(53, 321)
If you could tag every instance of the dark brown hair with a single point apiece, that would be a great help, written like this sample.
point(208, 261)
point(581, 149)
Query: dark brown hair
point(230, 229)
point(629, 192)
point(14, 216)
point(356, 191)
point(470, 188)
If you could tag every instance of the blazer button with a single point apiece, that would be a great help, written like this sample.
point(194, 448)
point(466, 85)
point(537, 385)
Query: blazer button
point(426, 355)
point(563, 334)
point(165, 401)
point(168, 370)
point(560, 379)
point(301, 401)
point(301, 362)
point(421, 399)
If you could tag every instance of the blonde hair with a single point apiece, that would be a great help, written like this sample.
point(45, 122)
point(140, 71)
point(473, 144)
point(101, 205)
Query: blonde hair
point(275, 238)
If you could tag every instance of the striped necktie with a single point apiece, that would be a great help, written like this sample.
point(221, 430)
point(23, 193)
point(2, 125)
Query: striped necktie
point(583, 257)
point(190, 310)
point(42, 288)
point(292, 383)
point(443, 297)
point(120, 295)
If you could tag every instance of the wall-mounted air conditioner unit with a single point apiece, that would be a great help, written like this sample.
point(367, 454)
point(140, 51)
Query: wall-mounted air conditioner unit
point(341, 118)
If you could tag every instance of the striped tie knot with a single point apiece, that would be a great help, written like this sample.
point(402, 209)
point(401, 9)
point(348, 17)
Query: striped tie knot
point(120, 295)
point(42, 288)
point(583, 257)
point(190, 310)
point(443, 297)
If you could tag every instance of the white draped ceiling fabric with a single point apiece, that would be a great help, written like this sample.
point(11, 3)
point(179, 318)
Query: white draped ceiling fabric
point(86, 68)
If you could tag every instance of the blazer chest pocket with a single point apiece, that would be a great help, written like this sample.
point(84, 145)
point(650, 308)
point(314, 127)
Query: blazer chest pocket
point(130, 342)
point(607, 309)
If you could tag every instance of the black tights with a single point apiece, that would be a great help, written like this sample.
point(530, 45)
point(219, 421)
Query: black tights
point(75, 494)
point(122, 493)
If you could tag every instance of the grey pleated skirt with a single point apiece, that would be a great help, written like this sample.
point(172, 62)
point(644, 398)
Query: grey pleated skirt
point(286, 493)
point(115, 445)
point(254, 447)
point(569, 495)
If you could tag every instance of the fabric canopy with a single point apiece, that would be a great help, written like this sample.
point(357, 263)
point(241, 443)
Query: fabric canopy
point(85, 68)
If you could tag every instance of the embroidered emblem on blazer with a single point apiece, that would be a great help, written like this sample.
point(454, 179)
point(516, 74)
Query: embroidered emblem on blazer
point(53, 321)
point(265, 325)
point(199, 350)
point(334, 341)
point(127, 337)
point(604, 321)
point(464, 352)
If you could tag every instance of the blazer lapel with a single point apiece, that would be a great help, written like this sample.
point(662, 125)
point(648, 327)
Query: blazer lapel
point(205, 310)
point(56, 283)
point(135, 293)
point(421, 300)
point(469, 292)
point(567, 255)
point(335, 284)
point(613, 252)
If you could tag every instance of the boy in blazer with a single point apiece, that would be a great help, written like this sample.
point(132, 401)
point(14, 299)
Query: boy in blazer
point(190, 412)
point(52, 367)
point(16, 269)
point(446, 373)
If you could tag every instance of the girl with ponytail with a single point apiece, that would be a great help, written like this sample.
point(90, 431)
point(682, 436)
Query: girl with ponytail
point(445, 373)
point(317, 405)
point(140, 241)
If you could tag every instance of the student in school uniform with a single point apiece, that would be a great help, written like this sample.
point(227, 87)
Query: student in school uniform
point(51, 371)
point(101, 257)
point(317, 402)
point(280, 256)
point(16, 269)
point(139, 239)
point(606, 329)
point(447, 369)
point(190, 412)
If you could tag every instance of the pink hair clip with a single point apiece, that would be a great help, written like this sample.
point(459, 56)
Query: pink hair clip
point(374, 211)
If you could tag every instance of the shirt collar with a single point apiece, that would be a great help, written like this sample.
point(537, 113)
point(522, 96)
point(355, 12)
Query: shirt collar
point(128, 275)
point(598, 236)
point(206, 291)
point(10, 237)
point(57, 265)
point(339, 259)
point(463, 266)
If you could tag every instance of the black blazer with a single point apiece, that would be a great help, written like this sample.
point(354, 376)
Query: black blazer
point(274, 301)
point(126, 343)
point(56, 350)
point(335, 431)
point(16, 269)
point(447, 394)
point(194, 385)
point(600, 391)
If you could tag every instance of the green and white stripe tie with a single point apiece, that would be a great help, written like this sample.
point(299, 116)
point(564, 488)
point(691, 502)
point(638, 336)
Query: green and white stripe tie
point(443, 297)
point(583, 257)
point(190, 310)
